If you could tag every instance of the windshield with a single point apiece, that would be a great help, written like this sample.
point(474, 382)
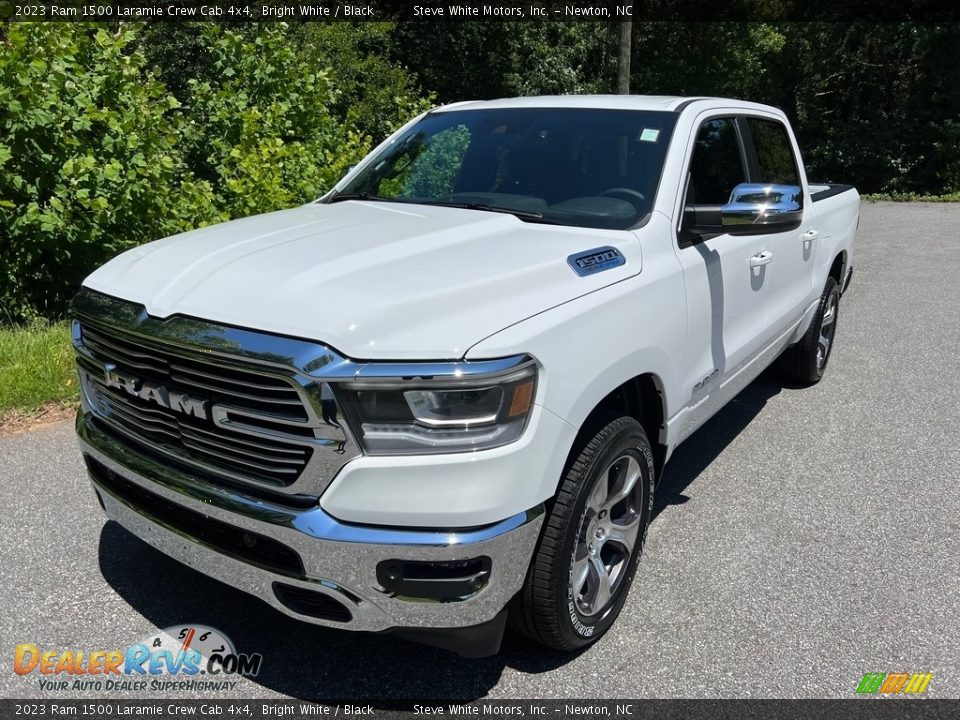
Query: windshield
point(591, 168)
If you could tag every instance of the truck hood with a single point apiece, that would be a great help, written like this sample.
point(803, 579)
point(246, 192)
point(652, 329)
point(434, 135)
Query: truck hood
point(372, 280)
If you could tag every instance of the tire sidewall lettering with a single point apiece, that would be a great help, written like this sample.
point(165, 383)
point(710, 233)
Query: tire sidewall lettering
point(580, 627)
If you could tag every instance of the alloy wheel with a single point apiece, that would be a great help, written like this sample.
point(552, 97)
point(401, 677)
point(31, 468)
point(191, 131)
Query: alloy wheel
point(607, 535)
point(828, 326)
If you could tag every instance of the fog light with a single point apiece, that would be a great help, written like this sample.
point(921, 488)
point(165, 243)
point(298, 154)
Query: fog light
point(440, 580)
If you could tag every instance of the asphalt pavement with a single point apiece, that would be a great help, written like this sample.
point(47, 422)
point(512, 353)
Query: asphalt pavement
point(803, 537)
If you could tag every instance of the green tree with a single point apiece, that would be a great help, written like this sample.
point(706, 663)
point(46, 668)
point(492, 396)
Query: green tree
point(375, 96)
point(481, 60)
point(97, 155)
point(260, 130)
point(89, 161)
point(561, 58)
point(457, 61)
point(876, 105)
point(712, 59)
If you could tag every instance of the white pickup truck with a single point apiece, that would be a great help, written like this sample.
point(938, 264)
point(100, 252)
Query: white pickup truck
point(442, 395)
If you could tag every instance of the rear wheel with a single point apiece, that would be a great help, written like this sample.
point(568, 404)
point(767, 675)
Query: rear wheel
point(806, 361)
point(585, 561)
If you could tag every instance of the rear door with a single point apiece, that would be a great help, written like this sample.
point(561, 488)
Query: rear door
point(772, 159)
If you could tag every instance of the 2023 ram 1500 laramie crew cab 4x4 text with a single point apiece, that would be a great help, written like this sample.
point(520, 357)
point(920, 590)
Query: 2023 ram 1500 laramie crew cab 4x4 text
point(443, 393)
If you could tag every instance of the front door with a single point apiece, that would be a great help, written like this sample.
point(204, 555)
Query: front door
point(726, 287)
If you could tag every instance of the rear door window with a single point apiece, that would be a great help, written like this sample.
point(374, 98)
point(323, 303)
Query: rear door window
point(775, 159)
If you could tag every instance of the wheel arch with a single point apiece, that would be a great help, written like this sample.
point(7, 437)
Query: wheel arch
point(642, 397)
point(839, 267)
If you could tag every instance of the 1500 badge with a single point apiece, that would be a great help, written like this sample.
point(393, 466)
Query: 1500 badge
point(596, 260)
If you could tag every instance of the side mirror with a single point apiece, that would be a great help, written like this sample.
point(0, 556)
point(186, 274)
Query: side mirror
point(348, 170)
point(755, 208)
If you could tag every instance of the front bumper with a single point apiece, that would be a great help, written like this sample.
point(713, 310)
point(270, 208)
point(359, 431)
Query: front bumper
point(339, 560)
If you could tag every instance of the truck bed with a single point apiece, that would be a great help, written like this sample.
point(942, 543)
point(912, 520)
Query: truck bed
point(822, 191)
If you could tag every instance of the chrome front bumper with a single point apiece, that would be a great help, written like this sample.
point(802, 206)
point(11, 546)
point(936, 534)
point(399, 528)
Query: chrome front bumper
point(339, 560)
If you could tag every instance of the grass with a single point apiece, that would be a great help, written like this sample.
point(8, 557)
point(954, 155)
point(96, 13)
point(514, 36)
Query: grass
point(911, 197)
point(36, 367)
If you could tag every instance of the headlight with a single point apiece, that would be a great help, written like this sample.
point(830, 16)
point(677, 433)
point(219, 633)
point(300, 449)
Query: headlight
point(439, 416)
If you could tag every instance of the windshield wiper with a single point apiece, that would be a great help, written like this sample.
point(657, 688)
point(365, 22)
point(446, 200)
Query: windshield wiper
point(522, 214)
point(339, 197)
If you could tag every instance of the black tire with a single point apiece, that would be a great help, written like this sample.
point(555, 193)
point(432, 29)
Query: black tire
point(802, 363)
point(547, 609)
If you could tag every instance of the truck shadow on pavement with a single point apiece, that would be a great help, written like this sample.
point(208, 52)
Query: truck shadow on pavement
point(699, 450)
point(314, 663)
point(301, 660)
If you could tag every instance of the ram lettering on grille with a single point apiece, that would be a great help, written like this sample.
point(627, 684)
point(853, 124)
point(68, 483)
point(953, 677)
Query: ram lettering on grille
point(225, 419)
point(176, 401)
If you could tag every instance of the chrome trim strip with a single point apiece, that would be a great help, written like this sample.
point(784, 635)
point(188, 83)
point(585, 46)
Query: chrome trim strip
point(339, 558)
point(471, 370)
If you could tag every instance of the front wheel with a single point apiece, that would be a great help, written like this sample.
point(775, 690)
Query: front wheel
point(585, 561)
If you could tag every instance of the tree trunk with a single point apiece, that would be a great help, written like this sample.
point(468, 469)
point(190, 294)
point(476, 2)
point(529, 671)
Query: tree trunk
point(623, 63)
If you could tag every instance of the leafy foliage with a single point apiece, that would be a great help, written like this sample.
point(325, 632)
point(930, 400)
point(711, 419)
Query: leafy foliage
point(114, 135)
point(98, 155)
point(713, 59)
point(874, 104)
point(260, 129)
point(89, 162)
point(476, 60)
point(458, 61)
point(877, 105)
point(374, 95)
point(561, 58)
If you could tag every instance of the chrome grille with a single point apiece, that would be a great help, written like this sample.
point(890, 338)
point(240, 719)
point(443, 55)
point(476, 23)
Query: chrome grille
point(260, 429)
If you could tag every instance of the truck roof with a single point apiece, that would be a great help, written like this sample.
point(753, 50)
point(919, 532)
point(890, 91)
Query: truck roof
point(669, 103)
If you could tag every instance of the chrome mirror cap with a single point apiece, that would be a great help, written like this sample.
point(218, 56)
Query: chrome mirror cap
point(769, 206)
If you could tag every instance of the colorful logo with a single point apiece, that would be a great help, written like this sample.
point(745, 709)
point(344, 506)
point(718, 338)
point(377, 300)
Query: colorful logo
point(183, 651)
point(894, 683)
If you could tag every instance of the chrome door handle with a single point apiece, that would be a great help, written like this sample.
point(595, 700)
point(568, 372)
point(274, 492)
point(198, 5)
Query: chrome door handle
point(809, 236)
point(759, 260)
